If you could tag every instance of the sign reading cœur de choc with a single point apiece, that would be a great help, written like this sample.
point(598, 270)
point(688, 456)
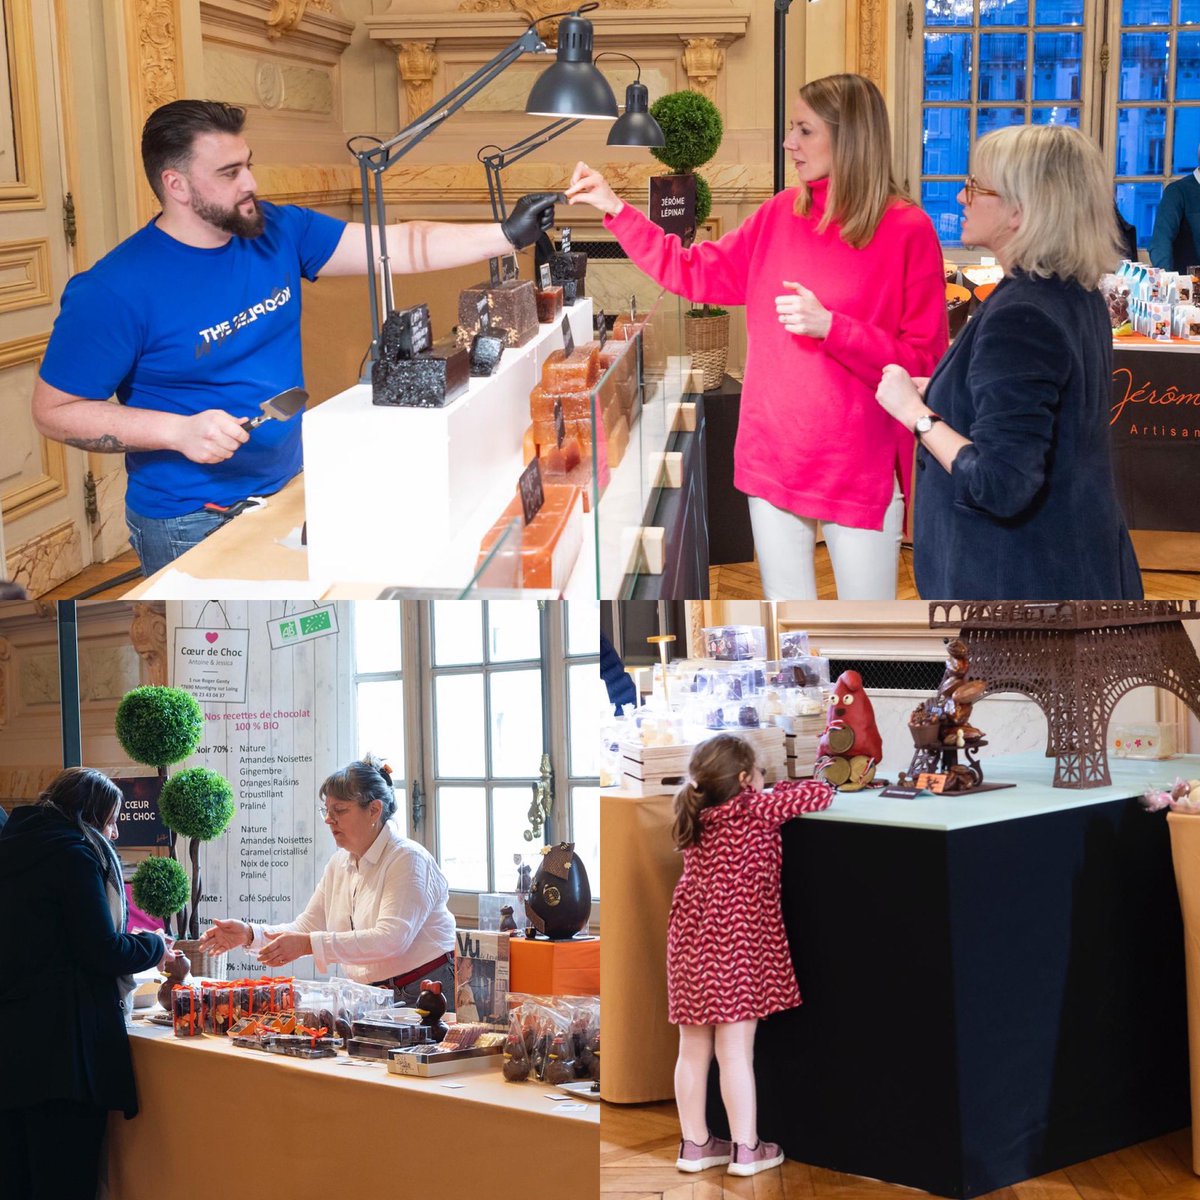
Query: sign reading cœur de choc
point(1155, 423)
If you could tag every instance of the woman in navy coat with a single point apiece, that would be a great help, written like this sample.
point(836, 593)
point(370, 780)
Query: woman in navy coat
point(1014, 497)
point(64, 1053)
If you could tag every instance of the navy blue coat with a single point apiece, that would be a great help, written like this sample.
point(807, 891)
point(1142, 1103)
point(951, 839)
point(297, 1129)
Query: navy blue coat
point(1030, 510)
point(1176, 231)
point(66, 1037)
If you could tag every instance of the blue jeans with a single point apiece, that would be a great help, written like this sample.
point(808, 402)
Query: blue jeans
point(157, 541)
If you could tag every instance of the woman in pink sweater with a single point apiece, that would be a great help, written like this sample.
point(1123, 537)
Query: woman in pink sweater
point(840, 276)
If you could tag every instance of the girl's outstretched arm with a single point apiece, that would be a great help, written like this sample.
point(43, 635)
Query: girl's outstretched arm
point(793, 798)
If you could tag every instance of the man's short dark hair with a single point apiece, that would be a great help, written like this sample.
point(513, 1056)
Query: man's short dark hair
point(170, 131)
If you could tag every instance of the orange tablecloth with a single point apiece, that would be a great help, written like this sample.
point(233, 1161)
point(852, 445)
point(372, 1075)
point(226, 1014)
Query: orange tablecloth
point(217, 1120)
point(1185, 853)
point(555, 968)
point(638, 872)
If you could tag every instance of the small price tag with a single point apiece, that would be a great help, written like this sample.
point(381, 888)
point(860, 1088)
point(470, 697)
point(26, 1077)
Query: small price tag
point(544, 276)
point(511, 267)
point(494, 269)
point(896, 792)
point(600, 325)
point(532, 496)
point(560, 424)
point(565, 243)
point(568, 337)
point(932, 783)
point(485, 314)
point(633, 306)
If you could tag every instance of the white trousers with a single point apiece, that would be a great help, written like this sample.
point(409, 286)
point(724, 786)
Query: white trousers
point(864, 561)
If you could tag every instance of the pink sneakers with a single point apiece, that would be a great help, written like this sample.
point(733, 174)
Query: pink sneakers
point(695, 1156)
point(749, 1160)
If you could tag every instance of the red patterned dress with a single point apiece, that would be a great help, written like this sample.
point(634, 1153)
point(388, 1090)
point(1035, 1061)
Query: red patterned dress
point(727, 951)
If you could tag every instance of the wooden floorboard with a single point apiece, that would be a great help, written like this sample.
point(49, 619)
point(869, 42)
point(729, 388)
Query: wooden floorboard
point(95, 576)
point(742, 581)
point(639, 1144)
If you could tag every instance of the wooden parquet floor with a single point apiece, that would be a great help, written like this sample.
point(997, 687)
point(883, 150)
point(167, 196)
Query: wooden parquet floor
point(95, 576)
point(741, 581)
point(638, 1144)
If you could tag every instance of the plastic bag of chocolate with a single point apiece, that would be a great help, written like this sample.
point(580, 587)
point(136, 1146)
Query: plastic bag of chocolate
point(354, 1001)
point(239, 999)
point(186, 1018)
point(517, 1063)
point(261, 995)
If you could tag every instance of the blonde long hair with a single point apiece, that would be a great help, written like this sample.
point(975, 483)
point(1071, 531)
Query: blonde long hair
point(714, 776)
point(862, 186)
point(1056, 176)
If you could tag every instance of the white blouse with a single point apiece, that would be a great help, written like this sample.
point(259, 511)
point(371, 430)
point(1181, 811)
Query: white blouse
point(381, 915)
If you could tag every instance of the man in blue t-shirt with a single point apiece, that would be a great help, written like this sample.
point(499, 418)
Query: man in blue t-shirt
point(194, 321)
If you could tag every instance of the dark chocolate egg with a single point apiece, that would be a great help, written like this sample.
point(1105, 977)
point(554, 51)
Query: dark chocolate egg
point(560, 902)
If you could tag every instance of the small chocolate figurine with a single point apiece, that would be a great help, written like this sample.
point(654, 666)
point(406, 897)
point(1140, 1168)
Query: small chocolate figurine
point(516, 1055)
point(507, 924)
point(524, 876)
point(177, 972)
point(560, 1059)
point(431, 1004)
point(850, 748)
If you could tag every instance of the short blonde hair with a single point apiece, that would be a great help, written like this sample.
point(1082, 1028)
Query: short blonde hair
point(1056, 177)
point(861, 184)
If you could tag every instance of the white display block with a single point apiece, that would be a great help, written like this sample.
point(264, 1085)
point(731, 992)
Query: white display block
point(400, 493)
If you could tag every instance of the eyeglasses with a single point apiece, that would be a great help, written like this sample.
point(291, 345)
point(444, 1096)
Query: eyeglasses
point(334, 814)
point(972, 188)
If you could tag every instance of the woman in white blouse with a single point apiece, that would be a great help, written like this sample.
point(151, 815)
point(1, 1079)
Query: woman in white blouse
point(379, 912)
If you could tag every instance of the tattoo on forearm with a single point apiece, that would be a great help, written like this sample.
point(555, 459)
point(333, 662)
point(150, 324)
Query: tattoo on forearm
point(107, 444)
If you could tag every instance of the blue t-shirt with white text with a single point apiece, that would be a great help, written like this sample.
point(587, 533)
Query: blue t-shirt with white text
point(182, 329)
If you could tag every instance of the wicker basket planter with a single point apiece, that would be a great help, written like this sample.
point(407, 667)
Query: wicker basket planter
point(707, 341)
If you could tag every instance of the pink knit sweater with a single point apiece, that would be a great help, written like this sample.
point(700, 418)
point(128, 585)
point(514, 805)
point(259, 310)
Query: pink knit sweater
point(812, 439)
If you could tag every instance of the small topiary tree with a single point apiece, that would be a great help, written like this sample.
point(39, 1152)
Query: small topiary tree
point(692, 129)
point(159, 726)
point(160, 887)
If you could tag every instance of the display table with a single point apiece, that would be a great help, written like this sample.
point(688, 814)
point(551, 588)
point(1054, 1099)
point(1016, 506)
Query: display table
point(977, 974)
point(544, 968)
point(1185, 852)
point(1155, 423)
point(216, 1118)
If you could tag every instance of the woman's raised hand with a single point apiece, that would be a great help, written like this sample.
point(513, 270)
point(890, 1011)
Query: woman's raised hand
point(801, 313)
point(590, 187)
point(224, 935)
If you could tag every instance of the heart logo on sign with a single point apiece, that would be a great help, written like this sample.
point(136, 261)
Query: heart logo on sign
point(210, 638)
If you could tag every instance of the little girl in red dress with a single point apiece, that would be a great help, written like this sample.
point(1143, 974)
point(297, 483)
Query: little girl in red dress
point(728, 963)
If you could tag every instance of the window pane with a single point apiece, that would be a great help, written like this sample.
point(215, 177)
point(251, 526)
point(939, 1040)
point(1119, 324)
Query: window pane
point(510, 820)
point(1056, 58)
point(1146, 12)
point(997, 118)
point(585, 804)
point(381, 723)
point(1144, 66)
point(583, 626)
point(1189, 12)
point(1056, 116)
point(457, 632)
point(1187, 137)
point(1058, 12)
point(1003, 12)
point(1187, 67)
point(458, 715)
point(462, 837)
point(377, 636)
point(947, 12)
point(587, 700)
point(947, 138)
point(516, 723)
point(1140, 136)
point(1138, 203)
point(937, 199)
point(514, 630)
point(1002, 66)
point(947, 66)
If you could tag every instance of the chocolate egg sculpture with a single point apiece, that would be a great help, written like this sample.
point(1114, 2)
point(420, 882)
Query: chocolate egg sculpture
point(560, 901)
point(850, 748)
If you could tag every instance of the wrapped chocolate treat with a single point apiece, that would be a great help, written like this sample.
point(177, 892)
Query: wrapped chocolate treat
point(560, 1058)
point(186, 1018)
point(512, 312)
point(283, 994)
point(222, 1008)
point(517, 1064)
point(261, 996)
point(239, 999)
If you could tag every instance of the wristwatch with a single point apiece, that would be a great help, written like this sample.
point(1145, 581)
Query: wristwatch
point(925, 424)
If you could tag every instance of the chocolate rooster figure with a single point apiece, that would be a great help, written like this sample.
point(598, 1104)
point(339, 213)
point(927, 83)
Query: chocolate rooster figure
point(431, 1004)
point(850, 748)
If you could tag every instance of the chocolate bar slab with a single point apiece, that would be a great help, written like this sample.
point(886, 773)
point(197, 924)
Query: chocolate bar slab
point(513, 310)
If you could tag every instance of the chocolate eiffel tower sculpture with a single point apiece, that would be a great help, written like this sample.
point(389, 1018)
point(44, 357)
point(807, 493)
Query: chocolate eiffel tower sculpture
point(1076, 659)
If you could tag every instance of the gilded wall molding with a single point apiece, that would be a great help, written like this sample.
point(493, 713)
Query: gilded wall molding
point(536, 11)
point(286, 15)
point(417, 65)
point(865, 38)
point(703, 59)
point(25, 192)
point(148, 636)
point(24, 274)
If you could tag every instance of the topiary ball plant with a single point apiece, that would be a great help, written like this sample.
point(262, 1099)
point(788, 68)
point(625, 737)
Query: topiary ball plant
point(159, 725)
point(197, 803)
point(692, 128)
point(160, 887)
point(703, 199)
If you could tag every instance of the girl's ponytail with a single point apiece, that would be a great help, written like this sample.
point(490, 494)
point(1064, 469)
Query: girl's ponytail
point(715, 774)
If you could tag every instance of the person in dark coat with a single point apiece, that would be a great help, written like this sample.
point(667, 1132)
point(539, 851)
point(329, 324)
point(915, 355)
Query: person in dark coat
point(1176, 233)
point(1015, 497)
point(616, 679)
point(64, 1060)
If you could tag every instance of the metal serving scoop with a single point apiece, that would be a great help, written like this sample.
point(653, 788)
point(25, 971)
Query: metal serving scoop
point(279, 408)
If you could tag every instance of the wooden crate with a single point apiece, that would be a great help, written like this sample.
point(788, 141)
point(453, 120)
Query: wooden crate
point(802, 746)
point(662, 770)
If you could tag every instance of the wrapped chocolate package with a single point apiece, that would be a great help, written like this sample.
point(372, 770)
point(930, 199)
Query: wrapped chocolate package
point(186, 1017)
point(512, 309)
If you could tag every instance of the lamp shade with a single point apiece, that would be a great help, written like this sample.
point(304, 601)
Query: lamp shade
point(636, 127)
point(572, 86)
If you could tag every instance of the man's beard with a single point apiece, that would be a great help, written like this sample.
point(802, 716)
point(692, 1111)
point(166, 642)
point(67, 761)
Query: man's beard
point(229, 219)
